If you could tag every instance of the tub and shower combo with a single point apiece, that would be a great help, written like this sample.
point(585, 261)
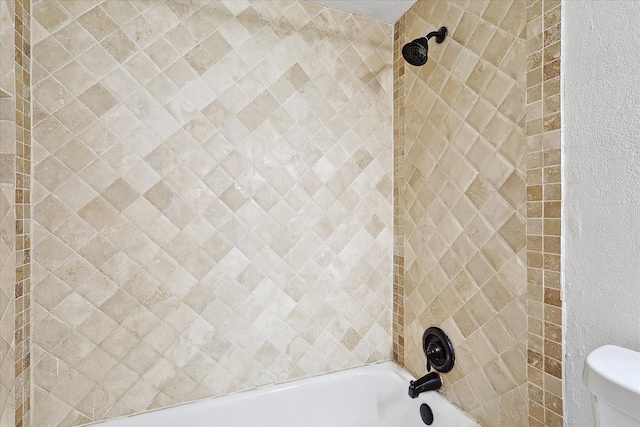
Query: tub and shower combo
point(382, 394)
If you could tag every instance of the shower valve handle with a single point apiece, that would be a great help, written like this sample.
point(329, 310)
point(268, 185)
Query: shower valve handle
point(438, 350)
point(433, 351)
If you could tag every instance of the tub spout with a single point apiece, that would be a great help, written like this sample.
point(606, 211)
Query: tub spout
point(431, 381)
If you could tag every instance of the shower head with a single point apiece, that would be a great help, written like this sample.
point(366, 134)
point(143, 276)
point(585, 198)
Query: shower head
point(415, 52)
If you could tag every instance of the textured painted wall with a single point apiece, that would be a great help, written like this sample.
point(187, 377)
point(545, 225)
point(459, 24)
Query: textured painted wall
point(212, 200)
point(463, 206)
point(602, 197)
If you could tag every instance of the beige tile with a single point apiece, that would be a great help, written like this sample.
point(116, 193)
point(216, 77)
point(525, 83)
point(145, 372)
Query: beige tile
point(495, 12)
point(75, 155)
point(481, 309)
point(480, 37)
point(98, 213)
point(141, 67)
point(74, 77)
point(513, 189)
point(97, 61)
point(479, 191)
point(98, 23)
point(141, 31)
point(97, 250)
point(76, 8)
point(98, 99)
point(119, 46)
point(498, 47)
point(75, 116)
point(498, 375)
point(120, 195)
point(156, 169)
point(51, 55)
point(75, 194)
point(513, 232)
point(121, 12)
point(53, 212)
point(7, 165)
point(52, 173)
point(53, 94)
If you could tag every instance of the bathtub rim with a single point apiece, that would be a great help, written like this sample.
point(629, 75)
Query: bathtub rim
point(385, 365)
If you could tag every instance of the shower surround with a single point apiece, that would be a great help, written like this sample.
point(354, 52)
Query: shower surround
point(67, 18)
point(212, 200)
point(460, 183)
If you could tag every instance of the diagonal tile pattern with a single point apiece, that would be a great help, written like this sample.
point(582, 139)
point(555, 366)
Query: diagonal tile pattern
point(462, 218)
point(7, 47)
point(212, 200)
point(7, 309)
point(7, 214)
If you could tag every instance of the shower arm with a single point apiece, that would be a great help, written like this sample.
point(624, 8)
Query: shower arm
point(439, 35)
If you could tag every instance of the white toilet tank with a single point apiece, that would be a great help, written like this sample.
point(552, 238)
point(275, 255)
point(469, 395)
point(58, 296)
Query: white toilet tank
point(612, 375)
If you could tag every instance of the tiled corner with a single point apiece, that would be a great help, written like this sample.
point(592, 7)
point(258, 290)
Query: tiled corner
point(463, 205)
point(212, 200)
point(398, 197)
point(15, 246)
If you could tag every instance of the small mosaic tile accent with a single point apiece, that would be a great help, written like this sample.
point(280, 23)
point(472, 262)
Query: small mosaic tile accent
point(544, 201)
point(398, 206)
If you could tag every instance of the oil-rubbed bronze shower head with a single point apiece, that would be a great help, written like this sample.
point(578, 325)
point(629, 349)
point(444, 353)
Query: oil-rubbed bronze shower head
point(416, 52)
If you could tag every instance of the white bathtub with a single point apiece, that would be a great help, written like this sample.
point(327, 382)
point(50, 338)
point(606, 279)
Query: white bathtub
point(374, 395)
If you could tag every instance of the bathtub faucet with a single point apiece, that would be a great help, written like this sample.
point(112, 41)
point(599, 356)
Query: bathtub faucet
point(429, 382)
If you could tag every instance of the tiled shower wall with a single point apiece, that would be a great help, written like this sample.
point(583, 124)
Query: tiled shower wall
point(544, 198)
point(7, 271)
point(212, 200)
point(15, 244)
point(464, 202)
